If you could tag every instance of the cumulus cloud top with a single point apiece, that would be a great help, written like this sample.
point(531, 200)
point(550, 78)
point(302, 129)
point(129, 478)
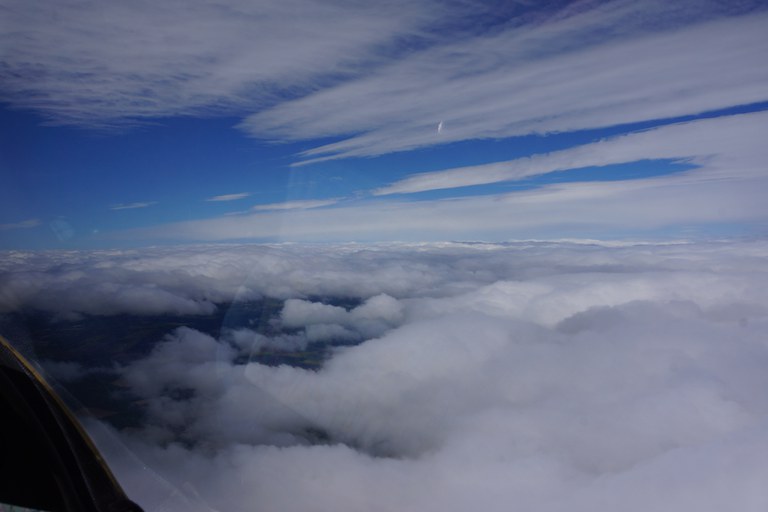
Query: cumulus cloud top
point(193, 279)
point(546, 376)
point(375, 316)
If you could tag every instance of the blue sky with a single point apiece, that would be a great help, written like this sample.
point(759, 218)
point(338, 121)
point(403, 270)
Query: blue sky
point(139, 124)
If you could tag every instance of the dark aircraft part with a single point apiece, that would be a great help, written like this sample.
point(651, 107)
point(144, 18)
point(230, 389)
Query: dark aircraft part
point(47, 461)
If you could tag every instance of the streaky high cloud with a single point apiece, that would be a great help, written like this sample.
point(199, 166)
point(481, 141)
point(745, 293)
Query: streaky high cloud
point(544, 376)
point(592, 209)
point(571, 72)
point(383, 76)
point(727, 185)
point(109, 63)
point(229, 197)
point(728, 140)
point(131, 206)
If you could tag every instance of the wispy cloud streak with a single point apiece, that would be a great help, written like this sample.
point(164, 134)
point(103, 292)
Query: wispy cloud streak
point(25, 224)
point(131, 206)
point(296, 205)
point(229, 197)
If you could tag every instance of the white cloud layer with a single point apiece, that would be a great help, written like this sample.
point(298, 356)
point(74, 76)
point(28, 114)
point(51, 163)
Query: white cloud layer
point(536, 376)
